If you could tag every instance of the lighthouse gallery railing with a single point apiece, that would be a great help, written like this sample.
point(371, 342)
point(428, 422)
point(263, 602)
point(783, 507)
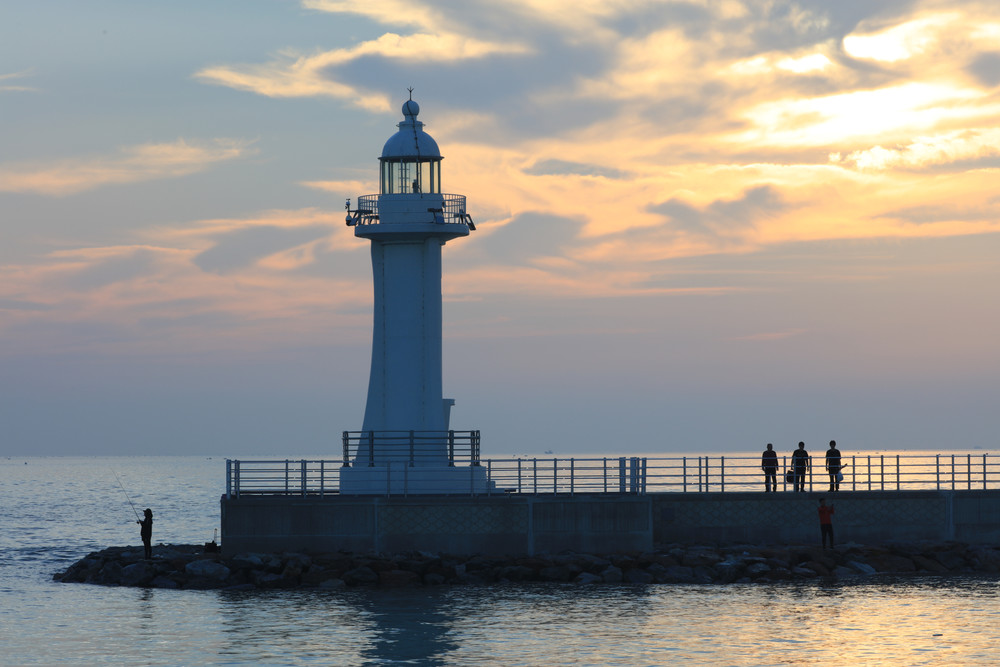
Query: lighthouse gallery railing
point(686, 474)
point(452, 208)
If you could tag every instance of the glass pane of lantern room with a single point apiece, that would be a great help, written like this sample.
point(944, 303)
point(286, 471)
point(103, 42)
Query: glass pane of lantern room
point(403, 184)
point(424, 182)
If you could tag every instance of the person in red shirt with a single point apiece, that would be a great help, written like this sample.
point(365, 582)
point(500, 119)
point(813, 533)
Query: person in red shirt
point(826, 521)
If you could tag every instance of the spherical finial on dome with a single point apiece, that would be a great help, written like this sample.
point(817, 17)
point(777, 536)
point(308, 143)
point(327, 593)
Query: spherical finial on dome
point(411, 108)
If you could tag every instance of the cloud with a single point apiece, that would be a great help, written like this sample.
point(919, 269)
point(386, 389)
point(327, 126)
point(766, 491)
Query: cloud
point(960, 146)
point(13, 87)
point(239, 249)
point(565, 167)
point(723, 217)
point(130, 165)
point(298, 75)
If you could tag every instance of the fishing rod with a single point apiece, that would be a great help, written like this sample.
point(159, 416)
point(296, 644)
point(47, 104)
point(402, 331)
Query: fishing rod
point(126, 495)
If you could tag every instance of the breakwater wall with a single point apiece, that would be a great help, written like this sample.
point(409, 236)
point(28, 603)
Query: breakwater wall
point(189, 567)
point(521, 525)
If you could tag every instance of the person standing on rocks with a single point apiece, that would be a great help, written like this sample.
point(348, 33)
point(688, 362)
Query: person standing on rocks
point(769, 464)
point(146, 533)
point(833, 466)
point(826, 522)
point(800, 464)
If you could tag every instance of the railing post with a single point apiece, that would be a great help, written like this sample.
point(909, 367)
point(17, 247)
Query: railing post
point(952, 472)
point(519, 476)
point(555, 475)
point(604, 470)
point(371, 451)
point(897, 472)
point(643, 476)
point(347, 449)
point(322, 482)
point(286, 477)
point(229, 479)
point(968, 462)
point(451, 449)
point(722, 473)
point(684, 474)
point(621, 474)
point(572, 475)
point(937, 471)
point(534, 475)
point(984, 472)
point(236, 477)
point(304, 482)
point(854, 477)
point(881, 474)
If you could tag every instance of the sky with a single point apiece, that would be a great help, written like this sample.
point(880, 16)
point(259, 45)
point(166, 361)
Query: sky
point(702, 225)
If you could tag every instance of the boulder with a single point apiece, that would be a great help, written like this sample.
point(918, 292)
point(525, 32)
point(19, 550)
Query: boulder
point(137, 574)
point(612, 574)
point(861, 568)
point(555, 573)
point(363, 575)
point(207, 569)
point(110, 574)
point(637, 576)
point(163, 581)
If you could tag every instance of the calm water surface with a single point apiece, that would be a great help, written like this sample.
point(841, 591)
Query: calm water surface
point(55, 510)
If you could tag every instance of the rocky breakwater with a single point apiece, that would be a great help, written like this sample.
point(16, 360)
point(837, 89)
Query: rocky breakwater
point(188, 567)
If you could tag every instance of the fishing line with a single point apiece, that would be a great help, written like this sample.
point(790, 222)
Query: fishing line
point(126, 494)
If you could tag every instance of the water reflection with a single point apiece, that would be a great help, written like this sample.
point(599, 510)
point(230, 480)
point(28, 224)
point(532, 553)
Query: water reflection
point(427, 626)
point(407, 626)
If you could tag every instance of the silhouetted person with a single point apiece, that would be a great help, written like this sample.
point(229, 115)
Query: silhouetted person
point(833, 466)
point(826, 522)
point(146, 532)
point(800, 464)
point(769, 464)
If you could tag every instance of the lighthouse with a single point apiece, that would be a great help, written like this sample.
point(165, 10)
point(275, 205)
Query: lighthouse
point(406, 444)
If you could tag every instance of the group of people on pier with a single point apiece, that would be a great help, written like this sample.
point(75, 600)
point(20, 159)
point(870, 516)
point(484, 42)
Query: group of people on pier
point(800, 466)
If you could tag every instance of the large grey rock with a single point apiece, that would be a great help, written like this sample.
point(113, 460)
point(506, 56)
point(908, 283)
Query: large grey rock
point(361, 575)
point(861, 568)
point(637, 576)
point(612, 575)
point(208, 569)
point(679, 574)
point(110, 574)
point(163, 582)
point(137, 574)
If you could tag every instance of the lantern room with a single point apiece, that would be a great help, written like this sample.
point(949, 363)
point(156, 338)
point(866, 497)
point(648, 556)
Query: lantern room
point(411, 159)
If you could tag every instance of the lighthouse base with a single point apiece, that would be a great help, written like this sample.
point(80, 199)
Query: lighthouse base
point(398, 477)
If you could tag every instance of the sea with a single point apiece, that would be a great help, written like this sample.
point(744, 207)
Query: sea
point(55, 510)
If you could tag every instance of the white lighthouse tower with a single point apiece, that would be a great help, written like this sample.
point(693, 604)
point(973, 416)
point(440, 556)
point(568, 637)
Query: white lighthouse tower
point(406, 444)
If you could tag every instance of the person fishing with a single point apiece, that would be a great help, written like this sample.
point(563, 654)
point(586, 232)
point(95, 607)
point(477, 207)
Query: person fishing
point(146, 533)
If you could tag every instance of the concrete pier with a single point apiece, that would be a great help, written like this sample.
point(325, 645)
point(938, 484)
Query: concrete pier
point(518, 525)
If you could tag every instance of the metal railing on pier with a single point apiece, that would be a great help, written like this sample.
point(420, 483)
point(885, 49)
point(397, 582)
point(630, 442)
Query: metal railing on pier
point(621, 475)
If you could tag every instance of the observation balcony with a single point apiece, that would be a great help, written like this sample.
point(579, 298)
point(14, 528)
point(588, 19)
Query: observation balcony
point(443, 209)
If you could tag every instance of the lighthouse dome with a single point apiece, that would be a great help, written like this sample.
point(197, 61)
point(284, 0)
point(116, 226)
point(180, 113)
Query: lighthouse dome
point(411, 141)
